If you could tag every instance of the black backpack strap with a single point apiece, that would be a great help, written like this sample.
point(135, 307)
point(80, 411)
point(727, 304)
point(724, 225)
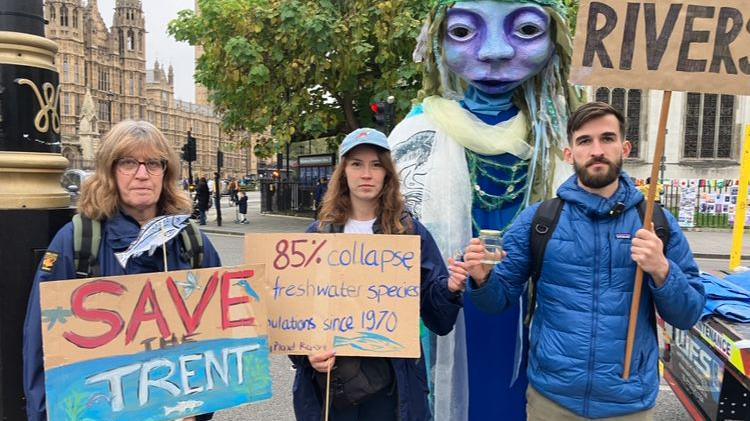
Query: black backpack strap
point(661, 225)
point(87, 235)
point(543, 224)
point(192, 245)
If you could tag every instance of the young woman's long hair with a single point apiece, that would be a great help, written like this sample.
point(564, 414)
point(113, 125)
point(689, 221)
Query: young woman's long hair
point(100, 198)
point(337, 204)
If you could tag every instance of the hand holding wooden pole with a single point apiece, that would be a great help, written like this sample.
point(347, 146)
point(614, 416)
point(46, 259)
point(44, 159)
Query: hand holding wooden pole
point(647, 218)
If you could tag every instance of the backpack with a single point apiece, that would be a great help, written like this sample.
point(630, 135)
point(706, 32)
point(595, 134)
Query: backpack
point(543, 224)
point(87, 235)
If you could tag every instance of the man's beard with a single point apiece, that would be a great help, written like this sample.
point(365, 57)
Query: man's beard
point(599, 180)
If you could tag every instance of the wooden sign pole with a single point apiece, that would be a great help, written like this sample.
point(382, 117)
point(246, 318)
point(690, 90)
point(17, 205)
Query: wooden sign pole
point(647, 218)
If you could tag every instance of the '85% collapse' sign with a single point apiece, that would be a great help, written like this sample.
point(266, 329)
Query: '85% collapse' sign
point(358, 294)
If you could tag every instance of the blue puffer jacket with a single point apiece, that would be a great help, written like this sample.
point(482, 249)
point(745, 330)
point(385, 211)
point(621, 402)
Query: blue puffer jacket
point(117, 234)
point(577, 338)
point(438, 308)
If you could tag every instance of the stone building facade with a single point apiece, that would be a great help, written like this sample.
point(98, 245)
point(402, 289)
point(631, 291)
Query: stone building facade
point(104, 79)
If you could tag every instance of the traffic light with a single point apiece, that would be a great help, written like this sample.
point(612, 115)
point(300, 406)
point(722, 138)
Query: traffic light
point(191, 150)
point(185, 155)
point(219, 159)
point(379, 109)
point(385, 114)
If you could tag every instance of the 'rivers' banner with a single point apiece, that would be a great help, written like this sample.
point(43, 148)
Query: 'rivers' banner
point(356, 293)
point(695, 46)
point(158, 346)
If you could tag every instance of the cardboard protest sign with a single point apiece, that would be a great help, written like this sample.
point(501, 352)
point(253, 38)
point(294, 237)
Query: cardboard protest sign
point(157, 346)
point(695, 45)
point(356, 293)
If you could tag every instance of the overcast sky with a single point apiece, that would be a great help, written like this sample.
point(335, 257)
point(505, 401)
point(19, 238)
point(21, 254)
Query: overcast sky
point(161, 46)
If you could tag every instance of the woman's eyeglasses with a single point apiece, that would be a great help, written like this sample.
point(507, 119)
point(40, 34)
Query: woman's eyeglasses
point(129, 166)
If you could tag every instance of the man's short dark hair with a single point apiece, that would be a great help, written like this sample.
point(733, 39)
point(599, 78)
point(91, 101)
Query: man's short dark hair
point(592, 111)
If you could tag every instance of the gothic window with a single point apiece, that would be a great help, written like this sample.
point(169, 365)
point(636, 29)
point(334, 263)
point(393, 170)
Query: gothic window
point(709, 126)
point(131, 40)
point(630, 103)
point(140, 41)
point(132, 84)
point(75, 18)
point(121, 41)
point(52, 13)
point(63, 15)
point(66, 69)
point(66, 104)
point(103, 113)
point(103, 79)
point(76, 71)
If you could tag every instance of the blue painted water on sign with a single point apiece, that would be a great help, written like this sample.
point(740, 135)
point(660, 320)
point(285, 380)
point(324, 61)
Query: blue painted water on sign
point(188, 379)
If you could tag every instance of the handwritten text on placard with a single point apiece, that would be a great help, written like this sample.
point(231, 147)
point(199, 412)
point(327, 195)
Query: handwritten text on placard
point(156, 346)
point(696, 46)
point(356, 293)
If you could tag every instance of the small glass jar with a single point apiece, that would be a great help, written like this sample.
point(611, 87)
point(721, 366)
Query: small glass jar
point(493, 245)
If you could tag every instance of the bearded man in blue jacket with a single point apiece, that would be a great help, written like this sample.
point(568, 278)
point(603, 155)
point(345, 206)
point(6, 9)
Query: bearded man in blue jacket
point(578, 333)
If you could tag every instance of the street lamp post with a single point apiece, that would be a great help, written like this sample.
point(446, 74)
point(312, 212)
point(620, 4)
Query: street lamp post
point(33, 205)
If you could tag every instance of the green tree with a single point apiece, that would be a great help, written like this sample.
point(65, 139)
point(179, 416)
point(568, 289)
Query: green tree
point(303, 68)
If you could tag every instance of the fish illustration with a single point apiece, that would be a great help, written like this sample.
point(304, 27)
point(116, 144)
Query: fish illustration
point(182, 407)
point(96, 398)
point(368, 341)
point(248, 289)
point(155, 233)
point(54, 315)
point(190, 286)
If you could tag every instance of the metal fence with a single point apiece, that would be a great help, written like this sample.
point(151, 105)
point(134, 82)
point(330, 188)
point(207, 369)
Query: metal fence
point(287, 197)
point(712, 209)
point(713, 204)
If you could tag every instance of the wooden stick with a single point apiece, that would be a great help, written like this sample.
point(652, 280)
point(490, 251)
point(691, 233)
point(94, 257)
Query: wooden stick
point(647, 218)
point(328, 387)
point(164, 247)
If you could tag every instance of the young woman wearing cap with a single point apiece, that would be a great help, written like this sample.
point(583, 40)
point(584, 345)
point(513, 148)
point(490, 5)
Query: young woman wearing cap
point(364, 197)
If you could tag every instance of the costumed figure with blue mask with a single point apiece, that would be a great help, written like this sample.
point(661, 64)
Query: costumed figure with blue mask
point(480, 145)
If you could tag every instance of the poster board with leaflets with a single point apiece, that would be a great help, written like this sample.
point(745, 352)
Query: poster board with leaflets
point(357, 294)
point(157, 346)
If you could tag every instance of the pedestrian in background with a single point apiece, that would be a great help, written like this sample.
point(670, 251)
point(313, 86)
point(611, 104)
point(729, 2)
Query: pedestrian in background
point(364, 198)
point(135, 181)
point(583, 295)
point(203, 198)
point(233, 189)
point(242, 204)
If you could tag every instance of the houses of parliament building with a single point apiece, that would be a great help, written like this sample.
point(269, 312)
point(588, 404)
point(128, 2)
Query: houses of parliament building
point(104, 79)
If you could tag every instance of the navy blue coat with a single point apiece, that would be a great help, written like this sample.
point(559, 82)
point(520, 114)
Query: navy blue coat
point(438, 308)
point(117, 234)
point(577, 337)
point(243, 205)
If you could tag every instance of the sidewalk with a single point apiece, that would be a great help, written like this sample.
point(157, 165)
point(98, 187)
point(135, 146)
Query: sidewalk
point(259, 223)
point(707, 244)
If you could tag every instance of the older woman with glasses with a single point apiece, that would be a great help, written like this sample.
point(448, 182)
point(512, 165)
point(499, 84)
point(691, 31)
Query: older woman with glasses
point(135, 181)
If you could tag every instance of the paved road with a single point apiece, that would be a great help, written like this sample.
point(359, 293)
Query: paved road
point(230, 247)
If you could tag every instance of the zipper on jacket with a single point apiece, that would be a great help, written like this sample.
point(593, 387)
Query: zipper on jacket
point(594, 320)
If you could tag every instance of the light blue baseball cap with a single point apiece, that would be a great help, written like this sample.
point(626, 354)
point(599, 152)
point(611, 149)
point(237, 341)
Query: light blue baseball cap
point(363, 136)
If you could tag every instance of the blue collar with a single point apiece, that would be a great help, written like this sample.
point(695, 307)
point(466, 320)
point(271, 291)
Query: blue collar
point(479, 102)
